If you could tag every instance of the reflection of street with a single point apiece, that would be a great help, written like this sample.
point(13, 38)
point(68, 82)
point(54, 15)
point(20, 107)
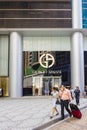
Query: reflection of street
point(47, 85)
point(4, 82)
point(36, 91)
point(40, 84)
point(46, 90)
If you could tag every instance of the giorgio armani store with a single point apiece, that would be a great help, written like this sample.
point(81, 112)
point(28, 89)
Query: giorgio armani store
point(42, 44)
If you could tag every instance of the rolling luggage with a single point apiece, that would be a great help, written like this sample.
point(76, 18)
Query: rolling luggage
point(75, 111)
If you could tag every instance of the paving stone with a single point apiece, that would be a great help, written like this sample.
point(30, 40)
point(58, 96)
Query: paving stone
point(27, 113)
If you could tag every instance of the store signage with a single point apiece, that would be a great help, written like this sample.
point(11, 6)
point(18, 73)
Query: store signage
point(49, 72)
point(47, 60)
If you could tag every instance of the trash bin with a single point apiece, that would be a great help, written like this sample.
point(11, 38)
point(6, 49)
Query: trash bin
point(1, 92)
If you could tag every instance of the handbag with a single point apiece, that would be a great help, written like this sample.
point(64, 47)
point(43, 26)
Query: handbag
point(58, 101)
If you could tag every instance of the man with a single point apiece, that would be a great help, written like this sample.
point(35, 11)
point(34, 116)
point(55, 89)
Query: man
point(77, 95)
point(65, 96)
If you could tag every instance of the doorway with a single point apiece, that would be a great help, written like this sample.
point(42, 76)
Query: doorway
point(44, 84)
point(47, 86)
point(49, 82)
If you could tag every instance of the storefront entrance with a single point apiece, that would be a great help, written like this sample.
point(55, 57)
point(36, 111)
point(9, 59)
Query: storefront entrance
point(45, 61)
point(45, 69)
point(38, 85)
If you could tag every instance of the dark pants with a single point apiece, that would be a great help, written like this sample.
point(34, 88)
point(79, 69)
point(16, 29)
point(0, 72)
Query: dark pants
point(77, 100)
point(65, 103)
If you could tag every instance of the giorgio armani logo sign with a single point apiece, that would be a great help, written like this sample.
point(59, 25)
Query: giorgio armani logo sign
point(47, 60)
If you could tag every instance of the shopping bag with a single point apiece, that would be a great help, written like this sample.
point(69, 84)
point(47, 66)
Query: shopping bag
point(58, 101)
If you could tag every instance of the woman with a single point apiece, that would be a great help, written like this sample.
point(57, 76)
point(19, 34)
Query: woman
point(54, 94)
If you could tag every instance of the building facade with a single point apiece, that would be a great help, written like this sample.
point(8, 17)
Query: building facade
point(84, 15)
point(30, 29)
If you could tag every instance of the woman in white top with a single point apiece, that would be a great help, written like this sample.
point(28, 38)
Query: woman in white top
point(54, 94)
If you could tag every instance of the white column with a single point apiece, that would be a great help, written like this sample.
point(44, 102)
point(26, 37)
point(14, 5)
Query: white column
point(77, 52)
point(77, 61)
point(77, 14)
point(15, 68)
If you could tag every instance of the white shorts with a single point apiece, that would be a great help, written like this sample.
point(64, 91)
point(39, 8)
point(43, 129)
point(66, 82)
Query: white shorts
point(54, 102)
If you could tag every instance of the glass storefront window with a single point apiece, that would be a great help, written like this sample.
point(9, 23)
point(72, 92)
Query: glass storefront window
point(45, 69)
point(84, 13)
point(3, 55)
point(4, 62)
point(46, 64)
point(84, 0)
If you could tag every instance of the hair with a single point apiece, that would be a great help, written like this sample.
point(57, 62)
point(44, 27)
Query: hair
point(54, 88)
point(63, 85)
point(77, 87)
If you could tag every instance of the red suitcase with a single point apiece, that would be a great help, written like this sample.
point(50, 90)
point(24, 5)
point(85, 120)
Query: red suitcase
point(75, 111)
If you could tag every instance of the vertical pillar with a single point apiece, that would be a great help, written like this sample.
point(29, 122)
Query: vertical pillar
point(77, 61)
point(15, 68)
point(77, 14)
point(77, 52)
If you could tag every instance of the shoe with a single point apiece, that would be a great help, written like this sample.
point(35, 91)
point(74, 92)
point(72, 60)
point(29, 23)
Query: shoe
point(62, 118)
point(57, 113)
point(51, 117)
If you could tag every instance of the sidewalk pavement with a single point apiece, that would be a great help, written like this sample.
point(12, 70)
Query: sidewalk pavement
point(30, 113)
point(72, 123)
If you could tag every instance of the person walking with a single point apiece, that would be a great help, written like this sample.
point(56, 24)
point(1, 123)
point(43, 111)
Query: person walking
point(54, 95)
point(77, 95)
point(65, 96)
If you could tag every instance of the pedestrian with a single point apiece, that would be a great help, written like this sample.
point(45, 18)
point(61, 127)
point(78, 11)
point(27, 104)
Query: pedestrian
point(65, 96)
point(77, 95)
point(85, 93)
point(54, 95)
